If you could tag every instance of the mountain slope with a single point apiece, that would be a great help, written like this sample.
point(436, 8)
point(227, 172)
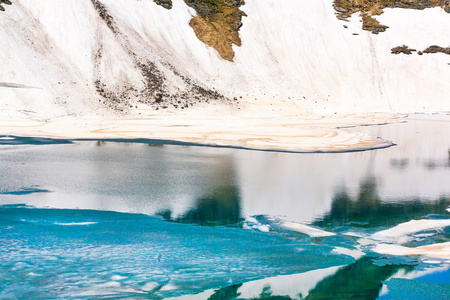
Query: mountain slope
point(83, 57)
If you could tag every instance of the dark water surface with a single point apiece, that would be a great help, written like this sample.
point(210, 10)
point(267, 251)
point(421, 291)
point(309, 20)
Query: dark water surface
point(112, 220)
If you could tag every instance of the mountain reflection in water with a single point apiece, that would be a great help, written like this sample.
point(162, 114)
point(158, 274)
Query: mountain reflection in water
point(367, 209)
point(221, 207)
point(360, 280)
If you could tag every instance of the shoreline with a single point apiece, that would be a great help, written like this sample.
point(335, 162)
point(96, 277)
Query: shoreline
point(281, 133)
point(35, 140)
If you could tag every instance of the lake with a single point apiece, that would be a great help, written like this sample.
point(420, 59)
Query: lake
point(142, 219)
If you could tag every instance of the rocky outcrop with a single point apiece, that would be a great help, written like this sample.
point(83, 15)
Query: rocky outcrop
point(402, 49)
point(432, 49)
point(103, 13)
point(217, 24)
point(154, 90)
point(167, 4)
point(370, 8)
point(437, 49)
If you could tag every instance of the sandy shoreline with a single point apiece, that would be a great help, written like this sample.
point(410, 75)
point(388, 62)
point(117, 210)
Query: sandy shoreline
point(284, 132)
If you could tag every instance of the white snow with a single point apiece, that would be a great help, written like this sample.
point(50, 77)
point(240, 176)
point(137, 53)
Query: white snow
point(296, 59)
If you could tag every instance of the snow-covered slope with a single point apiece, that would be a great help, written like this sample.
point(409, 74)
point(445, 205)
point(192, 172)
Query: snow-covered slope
point(61, 58)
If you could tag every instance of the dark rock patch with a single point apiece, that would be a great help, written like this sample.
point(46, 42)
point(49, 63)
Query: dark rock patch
point(370, 8)
point(217, 24)
point(103, 13)
point(432, 49)
point(402, 49)
point(7, 2)
point(437, 49)
point(167, 4)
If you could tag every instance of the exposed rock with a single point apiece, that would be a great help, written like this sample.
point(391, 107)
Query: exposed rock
point(158, 98)
point(370, 8)
point(437, 49)
point(402, 49)
point(167, 4)
point(432, 49)
point(216, 33)
point(217, 24)
point(103, 13)
point(7, 2)
point(155, 91)
point(154, 78)
point(371, 24)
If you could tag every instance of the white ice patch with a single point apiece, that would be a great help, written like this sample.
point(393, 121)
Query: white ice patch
point(117, 277)
point(263, 228)
point(424, 235)
point(417, 273)
point(356, 254)
point(384, 290)
point(76, 224)
point(252, 223)
point(305, 229)
point(432, 261)
point(251, 220)
point(441, 250)
point(169, 287)
point(400, 233)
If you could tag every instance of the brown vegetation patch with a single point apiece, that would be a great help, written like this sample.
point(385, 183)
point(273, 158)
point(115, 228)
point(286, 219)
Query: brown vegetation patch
point(369, 8)
point(217, 24)
point(216, 34)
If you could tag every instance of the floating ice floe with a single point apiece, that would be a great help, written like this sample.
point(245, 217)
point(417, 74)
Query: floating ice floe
point(304, 229)
point(265, 223)
point(441, 250)
point(401, 233)
point(76, 224)
point(356, 254)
